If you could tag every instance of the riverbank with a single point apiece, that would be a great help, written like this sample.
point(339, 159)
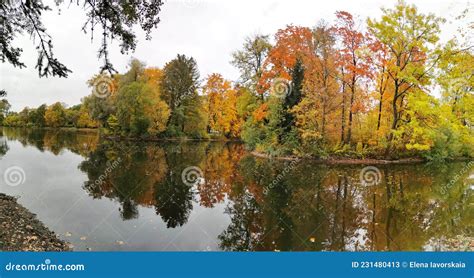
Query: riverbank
point(352, 161)
point(130, 138)
point(20, 230)
point(168, 139)
point(65, 128)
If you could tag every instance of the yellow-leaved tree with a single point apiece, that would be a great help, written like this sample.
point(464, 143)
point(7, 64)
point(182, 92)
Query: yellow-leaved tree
point(222, 106)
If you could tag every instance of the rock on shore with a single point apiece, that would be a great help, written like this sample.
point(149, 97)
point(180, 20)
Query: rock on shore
point(20, 230)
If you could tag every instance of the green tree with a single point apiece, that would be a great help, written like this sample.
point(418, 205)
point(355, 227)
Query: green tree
point(99, 108)
point(293, 97)
point(134, 73)
point(130, 114)
point(179, 86)
point(12, 119)
point(113, 124)
point(24, 116)
point(140, 109)
point(4, 108)
point(180, 80)
point(37, 116)
point(71, 118)
point(250, 59)
point(456, 78)
point(411, 38)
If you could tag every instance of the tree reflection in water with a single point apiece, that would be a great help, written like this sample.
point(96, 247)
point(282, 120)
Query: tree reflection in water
point(3, 145)
point(311, 207)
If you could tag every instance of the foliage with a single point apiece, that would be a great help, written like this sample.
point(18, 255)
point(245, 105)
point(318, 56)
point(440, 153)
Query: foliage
point(55, 115)
point(4, 108)
point(179, 85)
point(115, 18)
point(250, 59)
point(223, 116)
point(371, 88)
point(411, 39)
point(338, 89)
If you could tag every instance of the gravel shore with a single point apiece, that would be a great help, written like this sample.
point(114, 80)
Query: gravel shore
point(20, 230)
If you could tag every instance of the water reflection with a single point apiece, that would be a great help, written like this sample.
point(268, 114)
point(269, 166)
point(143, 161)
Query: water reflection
point(267, 207)
point(81, 142)
point(3, 145)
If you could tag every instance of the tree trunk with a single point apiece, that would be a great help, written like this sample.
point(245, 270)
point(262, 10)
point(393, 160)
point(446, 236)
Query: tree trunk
point(349, 128)
point(380, 112)
point(343, 114)
point(324, 119)
point(381, 92)
point(395, 118)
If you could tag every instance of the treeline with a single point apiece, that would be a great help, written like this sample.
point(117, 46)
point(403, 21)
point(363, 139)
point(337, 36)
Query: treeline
point(55, 115)
point(340, 89)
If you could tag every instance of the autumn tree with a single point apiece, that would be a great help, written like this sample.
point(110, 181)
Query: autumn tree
point(292, 43)
point(320, 92)
point(222, 106)
point(154, 107)
point(140, 108)
point(354, 62)
point(55, 115)
point(84, 119)
point(456, 78)
point(72, 115)
point(380, 77)
point(455, 135)
point(411, 39)
point(250, 59)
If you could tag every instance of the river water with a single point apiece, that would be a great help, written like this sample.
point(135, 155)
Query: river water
point(209, 196)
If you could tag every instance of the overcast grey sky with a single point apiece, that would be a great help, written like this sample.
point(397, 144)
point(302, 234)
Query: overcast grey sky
point(208, 30)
